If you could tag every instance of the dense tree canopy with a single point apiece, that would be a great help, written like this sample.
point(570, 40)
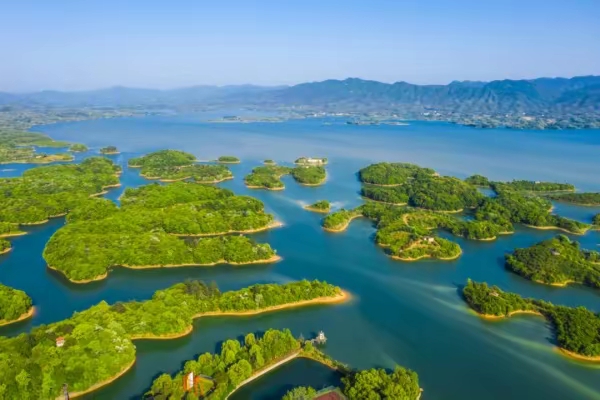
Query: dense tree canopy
point(267, 177)
point(375, 384)
point(532, 186)
point(556, 261)
point(228, 159)
point(44, 192)
point(300, 393)
point(309, 175)
point(320, 206)
point(98, 340)
point(340, 219)
point(20, 147)
point(4, 245)
point(109, 150)
point(478, 180)
point(161, 159)
point(577, 329)
point(78, 148)
point(392, 173)
point(143, 232)
point(585, 199)
point(13, 304)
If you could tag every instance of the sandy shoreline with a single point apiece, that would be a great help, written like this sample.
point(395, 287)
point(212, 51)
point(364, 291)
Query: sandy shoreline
point(18, 233)
point(344, 226)
point(5, 251)
point(264, 187)
point(100, 384)
point(274, 224)
point(427, 256)
point(110, 153)
point(317, 210)
point(98, 278)
point(22, 317)
point(556, 284)
point(546, 228)
point(498, 317)
point(577, 356)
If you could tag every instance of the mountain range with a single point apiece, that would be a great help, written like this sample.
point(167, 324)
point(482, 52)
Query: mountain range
point(543, 95)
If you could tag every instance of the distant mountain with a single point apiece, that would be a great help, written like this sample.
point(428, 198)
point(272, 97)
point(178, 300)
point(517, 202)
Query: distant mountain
point(569, 95)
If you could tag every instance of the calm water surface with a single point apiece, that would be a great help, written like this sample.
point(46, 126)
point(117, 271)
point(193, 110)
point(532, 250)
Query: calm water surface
point(402, 313)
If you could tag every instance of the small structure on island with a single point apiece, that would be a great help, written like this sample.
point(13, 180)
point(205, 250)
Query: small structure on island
point(555, 252)
point(60, 341)
point(494, 293)
point(429, 239)
point(320, 339)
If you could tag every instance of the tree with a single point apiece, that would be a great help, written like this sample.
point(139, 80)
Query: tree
point(300, 393)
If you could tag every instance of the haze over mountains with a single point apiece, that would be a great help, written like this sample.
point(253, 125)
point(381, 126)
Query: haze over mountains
point(578, 94)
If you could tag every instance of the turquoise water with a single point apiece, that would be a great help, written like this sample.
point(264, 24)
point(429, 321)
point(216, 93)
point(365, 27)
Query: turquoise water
point(402, 313)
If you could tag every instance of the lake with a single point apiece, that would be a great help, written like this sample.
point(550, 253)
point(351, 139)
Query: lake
point(409, 314)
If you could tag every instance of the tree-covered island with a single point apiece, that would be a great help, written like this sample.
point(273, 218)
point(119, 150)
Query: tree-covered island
point(78, 148)
point(267, 177)
point(19, 147)
point(94, 347)
point(577, 330)
point(558, 262)
point(228, 160)
point(321, 206)
point(269, 162)
point(309, 175)
point(15, 305)
point(240, 362)
point(583, 199)
point(108, 150)
point(51, 191)
point(175, 165)
point(159, 226)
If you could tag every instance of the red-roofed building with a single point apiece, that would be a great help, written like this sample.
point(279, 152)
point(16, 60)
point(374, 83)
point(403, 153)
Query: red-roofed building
point(60, 341)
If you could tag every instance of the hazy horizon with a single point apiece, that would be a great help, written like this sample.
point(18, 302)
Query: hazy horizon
point(72, 46)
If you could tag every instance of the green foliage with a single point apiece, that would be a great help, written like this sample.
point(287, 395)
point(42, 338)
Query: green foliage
point(161, 159)
point(78, 148)
point(596, 220)
point(228, 159)
point(576, 329)
point(478, 180)
point(236, 362)
point(392, 195)
point(269, 161)
point(9, 229)
point(4, 245)
point(98, 340)
point(373, 384)
point(585, 199)
point(309, 175)
point(44, 192)
point(300, 393)
point(109, 150)
point(143, 232)
point(13, 303)
point(322, 205)
point(556, 261)
point(532, 186)
point(392, 173)
point(11, 138)
point(267, 177)
point(339, 219)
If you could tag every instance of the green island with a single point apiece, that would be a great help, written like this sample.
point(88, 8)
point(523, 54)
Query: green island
point(94, 347)
point(392, 174)
point(51, 191)
point(321, 206)
point(159, 226)
point(218, 375)
point(269, 162)
point(15, 305)
point(108, 150)
point(557, 262)
point(78, 148)
point(228, 160)
point(269, 176)
point(19, 147)
point(175, 165)
point(577, 330)
point(583, 199)
point(311, 161)
point(532, 186)
point(4, 246)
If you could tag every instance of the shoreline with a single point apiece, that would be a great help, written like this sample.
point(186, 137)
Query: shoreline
point(82, 281)
point(317, 210)
point(22, 317)
point(384, 202)
point(274, 224)
point(36, 162)
point(18, 233)
point(264, 187)
point(110, 153)
point(228, 162)
point(101, 384)
point(555, 284)
point(6, 251)
point(546, 228)
point(491, 317)
point(343, 227)
point(321, 182)
point(426, 256)
point(577, 356)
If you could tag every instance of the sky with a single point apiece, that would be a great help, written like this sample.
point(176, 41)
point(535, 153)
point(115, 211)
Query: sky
point(80, 45)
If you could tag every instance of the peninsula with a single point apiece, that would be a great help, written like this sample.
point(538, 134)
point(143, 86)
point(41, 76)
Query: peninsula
point(4, 246)
point(583, 199)
point(251, 358)
point(147, 231)
point(556, 262)
point(100, 338)
point(15, 305)
point(577, 330)
point(18, 147)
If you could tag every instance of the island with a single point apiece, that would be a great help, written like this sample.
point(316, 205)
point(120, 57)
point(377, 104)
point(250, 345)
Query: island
point(248, 359)
point(52, 191)
point(582, 199)
point(577, 330)
point(99, 339)
point(269, 162)
point(267, 177)
point(109, 150)
point(392, 174)
point(321, 206)
point(228, 160)
point(15, 305)
point(533, 186)
point(311, 161)
point(78, 148)
point(4, 246)
point(557, 262)
point(18, 147)
point(176, 225)
point(308, 175)
point(175, 165)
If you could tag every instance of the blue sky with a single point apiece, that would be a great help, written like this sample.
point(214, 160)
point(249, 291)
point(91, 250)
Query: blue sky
point(75, 45)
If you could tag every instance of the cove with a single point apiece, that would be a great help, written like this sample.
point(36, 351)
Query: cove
point(410, 314)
